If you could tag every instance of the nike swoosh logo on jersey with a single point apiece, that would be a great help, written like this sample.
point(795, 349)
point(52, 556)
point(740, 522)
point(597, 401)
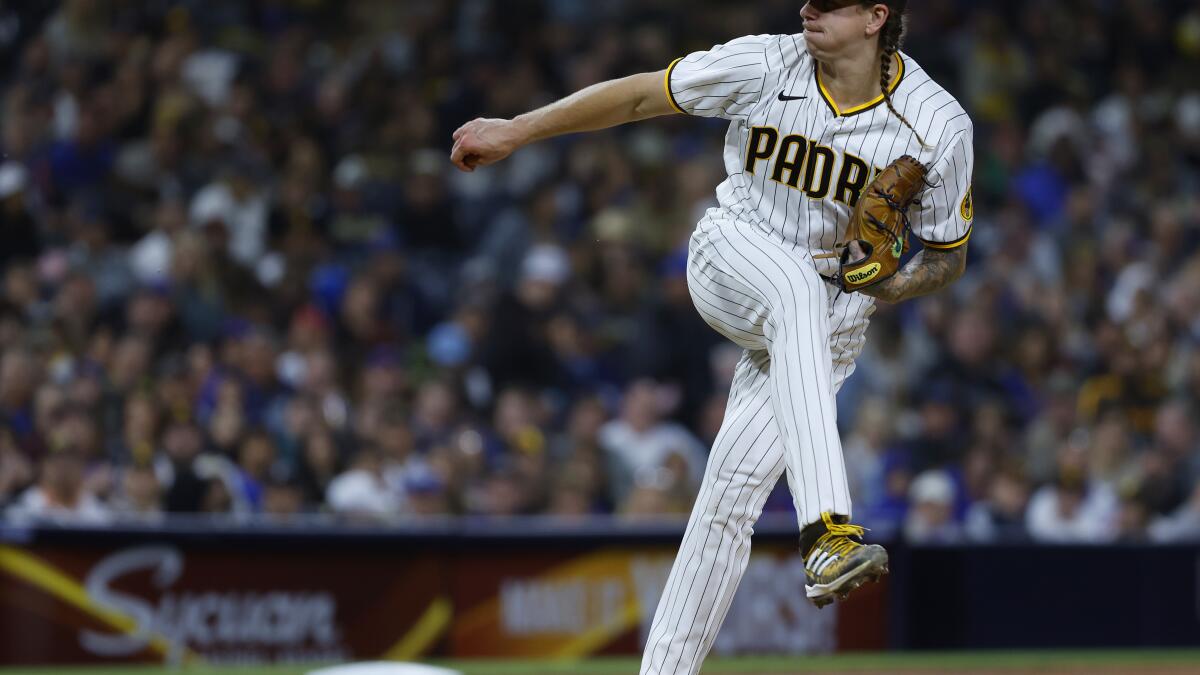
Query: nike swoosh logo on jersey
point(785, 97)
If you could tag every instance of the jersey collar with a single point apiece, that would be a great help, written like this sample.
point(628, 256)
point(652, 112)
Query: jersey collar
point(865, 106)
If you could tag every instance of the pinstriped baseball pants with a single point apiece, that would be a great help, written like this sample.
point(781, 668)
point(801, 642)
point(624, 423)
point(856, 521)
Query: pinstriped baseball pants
point(801, 337)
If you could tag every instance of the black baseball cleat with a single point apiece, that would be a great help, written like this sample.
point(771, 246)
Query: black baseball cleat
point(838, 562)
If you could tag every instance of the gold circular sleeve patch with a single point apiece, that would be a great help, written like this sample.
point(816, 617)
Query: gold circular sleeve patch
point(967, 210)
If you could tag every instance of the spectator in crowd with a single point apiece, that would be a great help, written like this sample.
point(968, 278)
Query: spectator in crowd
point(1183, 524)
point(16, 471)
point(319, 463)
point(520, 344)
point(580, 486)
point(139, 497)
point(930, 516)
point(864, 448)
point(255, 457)
point(657, 493)
point(362, 492)
point(1000, 515)
point(60, 494)
point(425, 494)
point(1171, 464)
point(1074, 507)
point(282, 496)
point(640, 441)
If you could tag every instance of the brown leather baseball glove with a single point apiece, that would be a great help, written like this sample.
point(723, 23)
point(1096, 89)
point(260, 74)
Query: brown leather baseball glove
point(878, 232)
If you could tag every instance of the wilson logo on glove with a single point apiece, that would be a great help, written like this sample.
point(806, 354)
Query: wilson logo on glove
point(877, 236)
point(864, 275)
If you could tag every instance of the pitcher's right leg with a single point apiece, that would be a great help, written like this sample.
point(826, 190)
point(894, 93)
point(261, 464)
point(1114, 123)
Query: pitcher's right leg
point(745, 463)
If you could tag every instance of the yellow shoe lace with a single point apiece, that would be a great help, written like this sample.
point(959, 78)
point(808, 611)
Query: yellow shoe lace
point(836, 538)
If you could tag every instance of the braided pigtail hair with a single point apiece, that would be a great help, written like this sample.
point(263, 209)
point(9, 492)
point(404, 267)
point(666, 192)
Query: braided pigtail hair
point(890, 38)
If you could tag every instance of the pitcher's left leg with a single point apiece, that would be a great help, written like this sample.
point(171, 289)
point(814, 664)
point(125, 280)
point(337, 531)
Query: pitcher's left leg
point(744, 466)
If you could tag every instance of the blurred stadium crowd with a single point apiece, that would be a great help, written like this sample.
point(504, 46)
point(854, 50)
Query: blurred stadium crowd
point(240, 275)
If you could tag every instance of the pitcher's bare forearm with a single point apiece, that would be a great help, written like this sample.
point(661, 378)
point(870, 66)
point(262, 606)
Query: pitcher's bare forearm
point(930, 270)
point(600, 106)
point(481, 142)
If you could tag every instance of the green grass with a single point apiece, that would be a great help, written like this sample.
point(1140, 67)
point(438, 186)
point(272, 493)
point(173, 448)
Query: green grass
point(950, 662)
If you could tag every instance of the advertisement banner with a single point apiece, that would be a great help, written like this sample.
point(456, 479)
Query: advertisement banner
point(316, 601)
point(159, 603)
point(602, 602)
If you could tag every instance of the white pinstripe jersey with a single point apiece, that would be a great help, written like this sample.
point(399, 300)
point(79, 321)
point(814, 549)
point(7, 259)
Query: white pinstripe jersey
point(796, 163)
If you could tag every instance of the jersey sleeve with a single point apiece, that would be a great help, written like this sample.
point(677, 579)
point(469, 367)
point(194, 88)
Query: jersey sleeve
point(947, 207)
point(725, 81)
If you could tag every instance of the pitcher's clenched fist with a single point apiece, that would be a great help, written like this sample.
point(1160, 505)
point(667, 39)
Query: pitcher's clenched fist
point(484, 141)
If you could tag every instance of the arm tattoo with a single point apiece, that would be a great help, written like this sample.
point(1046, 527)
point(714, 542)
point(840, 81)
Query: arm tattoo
point(930, 270)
